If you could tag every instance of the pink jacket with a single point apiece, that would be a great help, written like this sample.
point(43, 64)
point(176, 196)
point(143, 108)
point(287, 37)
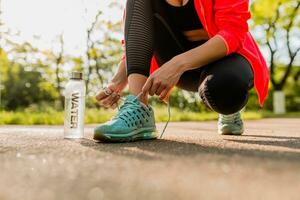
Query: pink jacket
point(228, 19)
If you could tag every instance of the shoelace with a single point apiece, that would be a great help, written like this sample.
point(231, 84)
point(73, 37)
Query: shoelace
point(169, 112)
point(120, 113)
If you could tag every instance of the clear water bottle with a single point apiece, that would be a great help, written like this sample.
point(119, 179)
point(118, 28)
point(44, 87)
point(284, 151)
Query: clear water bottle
point(74, 106)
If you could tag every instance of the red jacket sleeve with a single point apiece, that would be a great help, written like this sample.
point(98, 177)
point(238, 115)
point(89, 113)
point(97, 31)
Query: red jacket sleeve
point(123, 41)
point(231, 20)
point(123, 45)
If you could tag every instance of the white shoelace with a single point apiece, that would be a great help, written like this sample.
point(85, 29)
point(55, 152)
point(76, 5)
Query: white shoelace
point(169, 112)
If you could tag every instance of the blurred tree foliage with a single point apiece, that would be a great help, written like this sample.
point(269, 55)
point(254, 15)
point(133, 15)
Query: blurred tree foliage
point(31, 77)
point(279, 23)
point(24, 84)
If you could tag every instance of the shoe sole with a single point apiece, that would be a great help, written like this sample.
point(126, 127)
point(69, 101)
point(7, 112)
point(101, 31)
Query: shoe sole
point(230, 132)
point(140, 134)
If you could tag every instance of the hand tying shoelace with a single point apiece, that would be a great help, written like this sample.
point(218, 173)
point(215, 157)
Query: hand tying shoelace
point(169, 112)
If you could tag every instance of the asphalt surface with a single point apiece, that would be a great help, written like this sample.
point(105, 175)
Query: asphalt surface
point(191, 162)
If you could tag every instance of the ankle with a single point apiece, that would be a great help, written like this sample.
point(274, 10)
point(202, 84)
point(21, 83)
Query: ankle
point(142, 98)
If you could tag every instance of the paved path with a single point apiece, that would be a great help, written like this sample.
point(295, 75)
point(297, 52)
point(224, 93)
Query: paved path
point(191, 162)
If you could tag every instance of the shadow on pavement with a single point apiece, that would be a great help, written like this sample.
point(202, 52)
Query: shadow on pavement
point(159, 149)
point(290, 143)
point(274, 137)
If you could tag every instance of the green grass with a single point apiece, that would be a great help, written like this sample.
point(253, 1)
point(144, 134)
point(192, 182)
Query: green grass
point(52, 117)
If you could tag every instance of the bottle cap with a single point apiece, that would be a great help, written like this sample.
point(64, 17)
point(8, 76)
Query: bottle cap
point(76, 75)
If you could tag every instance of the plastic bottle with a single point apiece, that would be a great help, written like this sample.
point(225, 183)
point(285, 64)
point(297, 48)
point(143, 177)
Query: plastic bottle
point(74, 106)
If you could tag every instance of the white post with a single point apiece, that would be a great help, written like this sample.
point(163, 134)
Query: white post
point(279, 102)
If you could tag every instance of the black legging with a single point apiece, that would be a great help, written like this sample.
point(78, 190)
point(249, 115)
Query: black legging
point(223, 85)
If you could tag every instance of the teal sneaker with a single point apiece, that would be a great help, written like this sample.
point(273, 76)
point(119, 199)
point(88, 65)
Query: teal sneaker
point(230, 124)
point(134, 121)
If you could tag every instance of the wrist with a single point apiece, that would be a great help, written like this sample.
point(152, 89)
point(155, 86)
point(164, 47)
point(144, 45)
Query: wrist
point(119, 79)
point(180, 63)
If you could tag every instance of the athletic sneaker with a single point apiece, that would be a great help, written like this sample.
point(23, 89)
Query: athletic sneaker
point(230, 124)
point(134, 121)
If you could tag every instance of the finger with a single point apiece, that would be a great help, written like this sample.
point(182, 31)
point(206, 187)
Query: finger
point(147, 85)
point(102, 105)
point(100, 102)
point(160, 89)
point(153, 88)
point(164, 94)
point(115, 99)
point(107, 101)
point(103, 93)
point(114, 106)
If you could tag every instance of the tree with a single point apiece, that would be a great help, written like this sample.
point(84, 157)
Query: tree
point(1, 52)
point(55, 60)
point(103, 51)
point(29, 76)
point(25, 88)
point(279, 22)
point(90, 49)
point(4, 63)
point(59, 60)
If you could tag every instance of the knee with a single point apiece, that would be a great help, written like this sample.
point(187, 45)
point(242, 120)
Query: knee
point(226, 94)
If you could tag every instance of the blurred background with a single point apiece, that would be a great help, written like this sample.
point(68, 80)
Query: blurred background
point(42, 41)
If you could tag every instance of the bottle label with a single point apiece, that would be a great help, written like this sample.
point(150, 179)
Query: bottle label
point(74, 110)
